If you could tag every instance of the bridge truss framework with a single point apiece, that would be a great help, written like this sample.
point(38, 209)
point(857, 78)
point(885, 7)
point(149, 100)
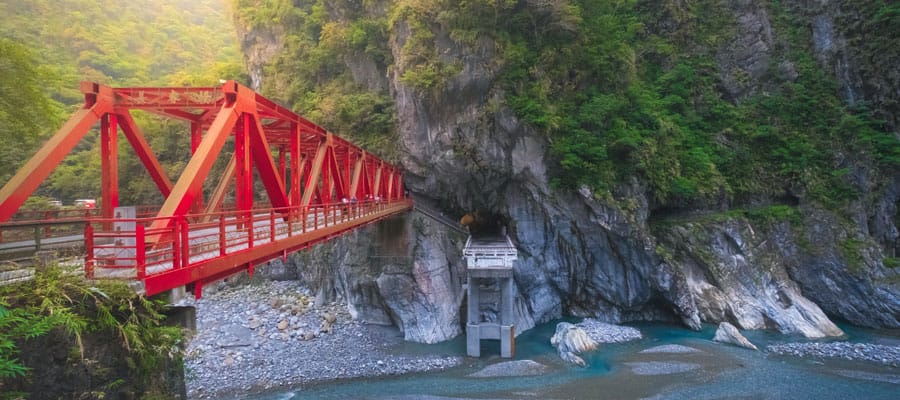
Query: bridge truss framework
point(315, 176)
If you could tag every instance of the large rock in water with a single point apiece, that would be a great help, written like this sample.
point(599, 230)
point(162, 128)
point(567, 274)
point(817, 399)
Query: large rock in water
point(570, 340)
point(727, 333)
point(602, 332)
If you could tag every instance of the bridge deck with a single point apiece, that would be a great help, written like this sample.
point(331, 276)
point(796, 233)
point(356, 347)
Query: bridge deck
point(212, 248)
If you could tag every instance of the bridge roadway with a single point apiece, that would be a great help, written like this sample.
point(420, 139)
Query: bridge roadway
point(221, 246)
point(44, 243)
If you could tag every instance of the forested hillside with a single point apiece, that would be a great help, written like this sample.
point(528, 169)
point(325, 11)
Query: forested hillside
point(49, 46)
point(622, 88)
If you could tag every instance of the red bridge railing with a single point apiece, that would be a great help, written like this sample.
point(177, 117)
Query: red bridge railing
point(197, 249)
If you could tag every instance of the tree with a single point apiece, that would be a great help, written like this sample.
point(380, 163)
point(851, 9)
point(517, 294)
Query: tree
point(27, 112)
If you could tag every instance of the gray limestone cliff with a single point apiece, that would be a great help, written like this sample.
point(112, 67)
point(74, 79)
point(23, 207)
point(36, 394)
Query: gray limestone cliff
point(405, 271)
point(617, 259)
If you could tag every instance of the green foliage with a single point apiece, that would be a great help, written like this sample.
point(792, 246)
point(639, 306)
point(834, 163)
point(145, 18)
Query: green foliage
point(312, 74)
point(891, 262)
point(53, 44)
point(15, 324)
point(611, 116)
point(851, 249)
point(263, 13)
point(421, 66)
point(621, 91)
point(774, 214)
point(38, 203)
point(27, 112)
point(58, 299)
point(622, 88)
point(133, 43)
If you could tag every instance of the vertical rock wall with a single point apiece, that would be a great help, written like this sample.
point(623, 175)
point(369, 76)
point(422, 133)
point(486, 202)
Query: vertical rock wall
point(580, 255)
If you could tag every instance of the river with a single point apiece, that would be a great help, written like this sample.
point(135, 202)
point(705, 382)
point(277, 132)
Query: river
point(621, 371)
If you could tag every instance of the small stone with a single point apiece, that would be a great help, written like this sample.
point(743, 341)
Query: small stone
point(276, 302)
point(229, 361)
point(328, 320)
point(254, 324)
point(309, 336)
point(282, 325)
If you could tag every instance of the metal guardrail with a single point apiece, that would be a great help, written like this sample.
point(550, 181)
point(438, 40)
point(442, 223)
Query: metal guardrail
point(164, 257)
point(495, 252)
point(440, 218)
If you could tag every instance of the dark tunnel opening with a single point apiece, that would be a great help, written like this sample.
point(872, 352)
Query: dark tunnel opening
point(485, 224)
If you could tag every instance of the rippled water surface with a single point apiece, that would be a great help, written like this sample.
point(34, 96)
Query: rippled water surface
point(620, 371)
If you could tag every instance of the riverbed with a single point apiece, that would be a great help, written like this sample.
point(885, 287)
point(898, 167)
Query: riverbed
point(670, 362)
point(696, 368)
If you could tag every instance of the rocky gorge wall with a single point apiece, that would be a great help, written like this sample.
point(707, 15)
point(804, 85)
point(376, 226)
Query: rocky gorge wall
point(620, 258)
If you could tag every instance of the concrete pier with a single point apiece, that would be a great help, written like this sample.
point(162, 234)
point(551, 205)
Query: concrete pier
point(489, 269)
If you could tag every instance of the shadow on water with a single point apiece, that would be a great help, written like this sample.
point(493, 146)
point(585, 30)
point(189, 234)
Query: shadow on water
point(621, 371)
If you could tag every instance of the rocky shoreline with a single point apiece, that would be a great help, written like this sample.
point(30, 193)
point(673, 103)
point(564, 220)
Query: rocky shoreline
point(269, 335)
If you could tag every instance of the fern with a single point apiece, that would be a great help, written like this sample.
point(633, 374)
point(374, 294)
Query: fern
point(56, 300)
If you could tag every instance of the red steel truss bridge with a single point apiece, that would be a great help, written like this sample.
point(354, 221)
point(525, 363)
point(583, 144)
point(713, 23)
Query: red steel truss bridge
point(317, 187)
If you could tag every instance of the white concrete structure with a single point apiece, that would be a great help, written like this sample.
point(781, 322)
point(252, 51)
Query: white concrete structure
point(489, 268)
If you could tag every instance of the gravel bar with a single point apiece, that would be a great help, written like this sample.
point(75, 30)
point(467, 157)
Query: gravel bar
point(269, 335)
point(883, 354)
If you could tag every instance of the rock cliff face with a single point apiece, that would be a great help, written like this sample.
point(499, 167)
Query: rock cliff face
point(405, 271)
point(610, 258)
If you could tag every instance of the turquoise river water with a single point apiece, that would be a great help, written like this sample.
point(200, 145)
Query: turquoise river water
point(724, 372)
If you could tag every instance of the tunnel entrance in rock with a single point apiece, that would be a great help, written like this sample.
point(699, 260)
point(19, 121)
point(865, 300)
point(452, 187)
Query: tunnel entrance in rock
point(481, 223)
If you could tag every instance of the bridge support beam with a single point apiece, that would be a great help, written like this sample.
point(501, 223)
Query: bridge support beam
point(109, 164)
point(243, 171)
point(144, 153)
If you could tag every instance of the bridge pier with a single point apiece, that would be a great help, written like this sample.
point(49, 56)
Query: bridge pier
point(184, 317)
point(179, 315)
point(476, 329)
point(490, 280)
